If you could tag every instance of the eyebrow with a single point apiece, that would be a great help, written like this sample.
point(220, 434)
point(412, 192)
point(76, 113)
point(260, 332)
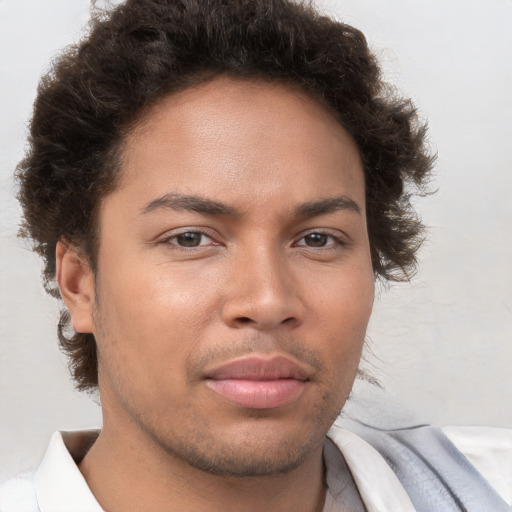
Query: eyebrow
point(324, 206)
point(180, 202)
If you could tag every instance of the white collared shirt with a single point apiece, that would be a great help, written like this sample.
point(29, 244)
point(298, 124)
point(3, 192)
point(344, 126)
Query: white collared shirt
point(58, 485)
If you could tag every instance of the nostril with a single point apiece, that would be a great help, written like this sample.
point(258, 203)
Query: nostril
point(247, 320)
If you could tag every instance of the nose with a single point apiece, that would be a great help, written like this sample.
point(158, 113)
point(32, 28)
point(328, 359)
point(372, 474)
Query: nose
point(263, 292)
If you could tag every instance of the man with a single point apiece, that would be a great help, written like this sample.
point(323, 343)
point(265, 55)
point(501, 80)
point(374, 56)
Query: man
point(214, 186)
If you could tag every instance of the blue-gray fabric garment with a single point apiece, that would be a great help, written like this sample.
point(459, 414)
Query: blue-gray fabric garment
point(437, 476)
point(409, 469)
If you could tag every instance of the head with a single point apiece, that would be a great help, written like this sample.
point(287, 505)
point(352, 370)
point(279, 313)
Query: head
point(222, 178)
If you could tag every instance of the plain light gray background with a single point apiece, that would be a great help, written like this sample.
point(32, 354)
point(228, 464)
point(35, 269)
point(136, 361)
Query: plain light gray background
point(441, 344)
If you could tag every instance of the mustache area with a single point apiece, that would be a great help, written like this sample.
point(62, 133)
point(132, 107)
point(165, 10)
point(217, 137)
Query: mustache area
point(255, 345)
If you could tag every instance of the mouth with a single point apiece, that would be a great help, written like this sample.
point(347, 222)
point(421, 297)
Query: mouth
point(258, 382)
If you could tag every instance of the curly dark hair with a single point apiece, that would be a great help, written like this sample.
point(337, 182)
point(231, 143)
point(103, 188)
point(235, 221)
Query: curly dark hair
point(144, 50)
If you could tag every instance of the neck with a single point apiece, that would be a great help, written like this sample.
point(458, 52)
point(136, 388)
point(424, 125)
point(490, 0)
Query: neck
point(127, 470)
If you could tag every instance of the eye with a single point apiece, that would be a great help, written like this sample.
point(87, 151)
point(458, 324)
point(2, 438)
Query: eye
point(319, 240)
point(190, 239)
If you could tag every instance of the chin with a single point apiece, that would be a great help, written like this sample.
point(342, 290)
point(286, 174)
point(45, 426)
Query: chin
point(257, 448)
point(254, 461)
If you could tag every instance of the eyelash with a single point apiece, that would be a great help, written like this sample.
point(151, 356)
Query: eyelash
point(169, 240)
point(339, 241)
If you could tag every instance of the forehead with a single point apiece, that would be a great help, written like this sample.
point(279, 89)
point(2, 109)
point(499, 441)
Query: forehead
point(241, 138)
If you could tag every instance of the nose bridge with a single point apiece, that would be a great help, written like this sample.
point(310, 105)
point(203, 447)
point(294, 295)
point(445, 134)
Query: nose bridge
point(262, 290)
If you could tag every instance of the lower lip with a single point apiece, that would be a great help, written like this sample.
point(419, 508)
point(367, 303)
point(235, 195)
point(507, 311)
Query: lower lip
point(258, 394)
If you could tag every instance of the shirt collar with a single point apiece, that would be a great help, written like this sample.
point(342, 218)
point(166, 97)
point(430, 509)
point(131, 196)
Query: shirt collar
point(60, 486)
point(379, 487)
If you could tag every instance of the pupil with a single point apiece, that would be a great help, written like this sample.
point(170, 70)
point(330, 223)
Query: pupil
point(189, 239)
point(316, 240)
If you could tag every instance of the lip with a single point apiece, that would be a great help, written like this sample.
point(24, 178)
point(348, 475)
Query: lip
point(258, 382)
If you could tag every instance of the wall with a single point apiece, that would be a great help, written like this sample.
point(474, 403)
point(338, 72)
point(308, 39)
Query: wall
point(440, 345)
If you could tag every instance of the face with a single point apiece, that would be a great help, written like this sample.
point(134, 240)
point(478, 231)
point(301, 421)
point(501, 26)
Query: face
point(234, 280)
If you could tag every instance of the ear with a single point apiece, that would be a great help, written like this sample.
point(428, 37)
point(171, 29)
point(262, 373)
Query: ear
point(76, 283)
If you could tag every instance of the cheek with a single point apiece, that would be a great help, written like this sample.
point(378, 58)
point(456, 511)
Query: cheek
point(345, 298)
point(155, 319)
point(161, 293)
point(343, 309)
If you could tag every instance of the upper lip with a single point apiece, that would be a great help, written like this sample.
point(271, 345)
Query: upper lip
point(259, 367)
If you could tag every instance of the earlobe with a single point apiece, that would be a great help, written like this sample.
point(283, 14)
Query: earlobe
point(76, 284)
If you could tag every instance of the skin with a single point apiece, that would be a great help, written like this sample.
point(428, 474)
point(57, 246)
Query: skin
point(264, 279)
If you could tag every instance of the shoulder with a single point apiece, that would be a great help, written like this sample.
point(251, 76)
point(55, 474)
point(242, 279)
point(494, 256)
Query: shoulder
point(18, 494)
point(460, 465)
point(489, 449)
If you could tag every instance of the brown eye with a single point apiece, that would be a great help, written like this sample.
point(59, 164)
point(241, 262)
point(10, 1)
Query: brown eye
point(316, 240)
point(319, 240)
point(190, 239)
